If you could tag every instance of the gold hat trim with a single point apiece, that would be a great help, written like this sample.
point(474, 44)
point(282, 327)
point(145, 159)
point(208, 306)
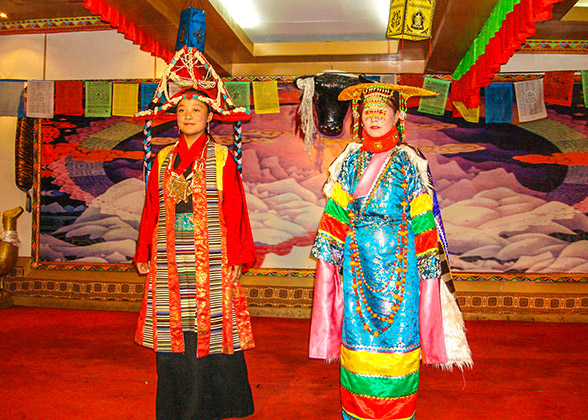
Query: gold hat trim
point(354, 92)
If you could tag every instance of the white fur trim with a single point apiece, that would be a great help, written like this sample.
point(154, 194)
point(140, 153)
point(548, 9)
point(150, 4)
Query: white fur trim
point(421, 165)
point(335, 168)
point(456, 344)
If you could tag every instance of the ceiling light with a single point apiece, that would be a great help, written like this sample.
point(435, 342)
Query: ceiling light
point(243, 11)
point(3, 15)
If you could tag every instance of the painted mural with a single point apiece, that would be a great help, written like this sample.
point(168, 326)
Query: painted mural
point(514, 198)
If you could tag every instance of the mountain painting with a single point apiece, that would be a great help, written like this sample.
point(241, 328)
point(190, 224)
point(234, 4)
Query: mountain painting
point(514, 198)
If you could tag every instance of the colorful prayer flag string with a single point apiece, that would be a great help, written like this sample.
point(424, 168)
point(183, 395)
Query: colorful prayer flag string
point(238, 134)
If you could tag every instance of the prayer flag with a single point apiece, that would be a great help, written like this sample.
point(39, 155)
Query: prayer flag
point(147, 94)
point(265, 97)
point(69, 97)
point(470, 115)
point(11, 93)
point(498, 100)
point(40, 97)
point(125, 98)
point(558, 87)
point(240, 93)
point(585, 86)
point(530, 104)
point(435, 104)
point(98, 99)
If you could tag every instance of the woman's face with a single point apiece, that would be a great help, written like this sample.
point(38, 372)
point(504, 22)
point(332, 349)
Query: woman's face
point(376, 126)
point(192, 116)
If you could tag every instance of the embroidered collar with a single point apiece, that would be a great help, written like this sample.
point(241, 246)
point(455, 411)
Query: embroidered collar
point(380, 144)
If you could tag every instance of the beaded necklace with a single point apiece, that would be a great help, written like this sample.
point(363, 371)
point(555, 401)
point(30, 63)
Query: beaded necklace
point(396, 288)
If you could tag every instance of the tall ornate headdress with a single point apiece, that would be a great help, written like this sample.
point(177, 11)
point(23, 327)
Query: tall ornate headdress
point(188, 70)
point(375, 96)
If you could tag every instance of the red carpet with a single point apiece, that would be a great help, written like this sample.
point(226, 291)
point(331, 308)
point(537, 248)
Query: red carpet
point(70, 364)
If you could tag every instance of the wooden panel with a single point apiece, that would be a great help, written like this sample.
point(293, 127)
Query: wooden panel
point(457, 23)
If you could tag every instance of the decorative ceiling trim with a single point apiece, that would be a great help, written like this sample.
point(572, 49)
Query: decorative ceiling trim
point(508, 27)
point(71, 24)
point(552, 46)
point(128, 29)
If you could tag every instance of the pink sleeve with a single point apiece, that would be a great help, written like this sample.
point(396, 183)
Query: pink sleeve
point(431, 323)
point(327, 313)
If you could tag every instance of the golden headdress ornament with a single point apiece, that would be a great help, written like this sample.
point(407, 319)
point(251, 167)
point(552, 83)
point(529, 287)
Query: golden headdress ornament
point(375, 97)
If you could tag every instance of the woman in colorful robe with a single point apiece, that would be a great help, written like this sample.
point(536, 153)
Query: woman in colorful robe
point(380, 231)
point(194, 241)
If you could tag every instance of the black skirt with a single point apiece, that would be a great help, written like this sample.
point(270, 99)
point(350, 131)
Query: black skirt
point(208, 388)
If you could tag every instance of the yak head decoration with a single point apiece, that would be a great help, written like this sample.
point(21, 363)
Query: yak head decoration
point(320, 99)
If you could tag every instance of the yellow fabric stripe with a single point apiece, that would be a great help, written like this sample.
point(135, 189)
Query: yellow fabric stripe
point(421, 204)
point(387, 364)
point(340, 196)
point(221, 153)
point(162, 155)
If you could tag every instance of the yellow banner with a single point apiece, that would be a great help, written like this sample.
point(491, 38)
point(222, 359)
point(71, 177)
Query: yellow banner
point(125, 99)
point(470, 115)
point(265, 97)
point(410, 19)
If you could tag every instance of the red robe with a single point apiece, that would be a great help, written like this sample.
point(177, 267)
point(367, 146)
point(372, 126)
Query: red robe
point(239, 250)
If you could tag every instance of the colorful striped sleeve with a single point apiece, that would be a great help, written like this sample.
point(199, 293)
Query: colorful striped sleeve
point(426, 238)
point(332, 230)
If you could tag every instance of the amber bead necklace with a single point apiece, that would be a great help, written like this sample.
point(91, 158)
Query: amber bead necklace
point(396, 288)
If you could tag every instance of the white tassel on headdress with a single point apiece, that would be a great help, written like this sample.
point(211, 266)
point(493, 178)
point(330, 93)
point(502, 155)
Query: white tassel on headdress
point(306, 112)
point(335, 168)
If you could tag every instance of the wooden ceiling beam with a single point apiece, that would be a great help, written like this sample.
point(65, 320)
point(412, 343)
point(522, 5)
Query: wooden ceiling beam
point(456, 24)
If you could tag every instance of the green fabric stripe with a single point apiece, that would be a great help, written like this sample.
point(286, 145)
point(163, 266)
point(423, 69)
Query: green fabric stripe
point(423, 222)
point(380, 386)
point(337, 211)
point(490, 28)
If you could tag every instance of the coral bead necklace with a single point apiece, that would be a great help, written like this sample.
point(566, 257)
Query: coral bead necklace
point(374, 322)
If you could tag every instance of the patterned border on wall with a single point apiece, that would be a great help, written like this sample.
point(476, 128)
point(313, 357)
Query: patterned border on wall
point(523, 277)
point(280, 272)
point(71, 24)
point(17, 285)
point(296, 297)
point(553, 46)
point(463, 276)
point(279, 297)
point(523, 303)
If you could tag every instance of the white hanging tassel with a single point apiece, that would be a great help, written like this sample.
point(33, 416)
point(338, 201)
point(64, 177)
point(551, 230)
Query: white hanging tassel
point(306, 111)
